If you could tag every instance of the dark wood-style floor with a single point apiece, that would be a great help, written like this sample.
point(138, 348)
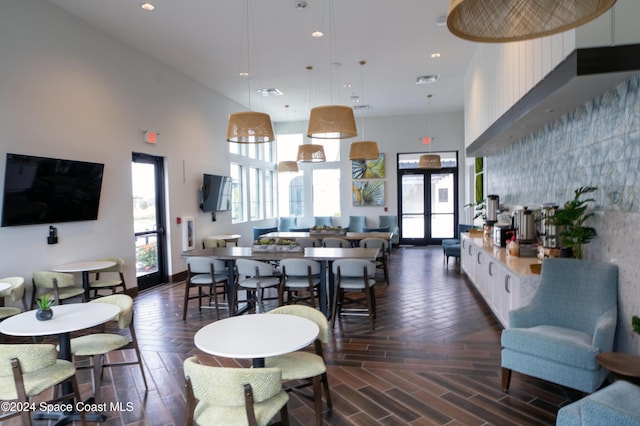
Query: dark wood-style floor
point(434, 358)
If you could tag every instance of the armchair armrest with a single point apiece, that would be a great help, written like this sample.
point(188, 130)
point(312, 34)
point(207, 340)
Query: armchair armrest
point(525, 317)
point(605, 330)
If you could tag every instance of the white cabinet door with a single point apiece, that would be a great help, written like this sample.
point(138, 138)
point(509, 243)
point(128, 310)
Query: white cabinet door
point(467, 258)
point(507, 294)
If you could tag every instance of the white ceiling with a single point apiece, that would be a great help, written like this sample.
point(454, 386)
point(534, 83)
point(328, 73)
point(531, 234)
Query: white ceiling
point(206, 40)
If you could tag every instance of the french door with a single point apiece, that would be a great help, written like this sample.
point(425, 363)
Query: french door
point(428, 209)
point(147, 173)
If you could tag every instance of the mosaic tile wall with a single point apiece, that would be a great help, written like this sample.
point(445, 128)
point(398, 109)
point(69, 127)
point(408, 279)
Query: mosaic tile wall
point(597, 144)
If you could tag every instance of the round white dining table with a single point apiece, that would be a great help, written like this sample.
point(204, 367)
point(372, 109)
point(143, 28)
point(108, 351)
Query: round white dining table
point(66, 318)
point(85, 268)
point(256, 336)
point(4, 286)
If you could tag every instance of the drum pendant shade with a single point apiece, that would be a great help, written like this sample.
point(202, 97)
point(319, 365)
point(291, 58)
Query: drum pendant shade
point(311, 153)
point(512, 20)
point(332, 122)
point(429, 161)
point(365, 150)
point(287, 166)
point(250, 127)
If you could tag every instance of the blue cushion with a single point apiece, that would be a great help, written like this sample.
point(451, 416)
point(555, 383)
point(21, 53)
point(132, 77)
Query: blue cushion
point(383, 229)
point(357, 223)
point(286, 223)
point(323, 221)
point(257, 231)
point(300, 229)
point(452, 250)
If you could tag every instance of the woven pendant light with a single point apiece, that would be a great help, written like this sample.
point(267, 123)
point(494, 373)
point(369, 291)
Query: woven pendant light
point(250, 127)
point(429, 161)
point(365, 150)
point(332, 122)
point(513, 20)
point(287, 166)
point(311, 153)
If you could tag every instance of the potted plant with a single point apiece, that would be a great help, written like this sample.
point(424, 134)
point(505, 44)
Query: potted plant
point(44, 312)
point(571, 222)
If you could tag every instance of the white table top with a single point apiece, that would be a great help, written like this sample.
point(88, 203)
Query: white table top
point(66, 318)
point(256, 335)
point(4, 286)
point(92, 265)
point(226, 237)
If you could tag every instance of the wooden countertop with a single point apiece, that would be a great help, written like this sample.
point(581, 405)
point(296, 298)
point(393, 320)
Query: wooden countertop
point(517, 265)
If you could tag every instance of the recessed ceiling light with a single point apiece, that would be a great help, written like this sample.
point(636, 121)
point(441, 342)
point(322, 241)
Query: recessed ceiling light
point(148, 7)
point(317, 34)
point(435, 55)
point(243, 74)
point(361, 107)
point(270, 92)
point(426, 79)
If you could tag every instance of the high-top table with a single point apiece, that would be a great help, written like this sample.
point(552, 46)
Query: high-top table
point(256, 336)
point(325, 255)
point(66, 318)
point(85, 268)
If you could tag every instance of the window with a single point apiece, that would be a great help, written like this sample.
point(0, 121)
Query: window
point(237, 198)
point(290, 185)
point(326, 192)
point(253, 173)
point(255, 189)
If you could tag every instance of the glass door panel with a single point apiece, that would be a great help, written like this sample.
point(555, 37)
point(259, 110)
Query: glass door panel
point(148, 219)
point(442, 205)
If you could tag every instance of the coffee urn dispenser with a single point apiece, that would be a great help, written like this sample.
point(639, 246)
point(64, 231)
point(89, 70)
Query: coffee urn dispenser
point(525, 226)
point(549, 230)
point(493, 206)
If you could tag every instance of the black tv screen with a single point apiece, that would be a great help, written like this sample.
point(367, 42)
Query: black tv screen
point(216, 193)
point(39, 190)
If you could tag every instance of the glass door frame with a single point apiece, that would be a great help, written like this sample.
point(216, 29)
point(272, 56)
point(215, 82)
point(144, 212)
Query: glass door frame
point(427, 173)
point(160, 275)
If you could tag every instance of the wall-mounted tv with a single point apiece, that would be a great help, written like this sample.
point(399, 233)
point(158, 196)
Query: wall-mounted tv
point(40, 190)
point(216, 193)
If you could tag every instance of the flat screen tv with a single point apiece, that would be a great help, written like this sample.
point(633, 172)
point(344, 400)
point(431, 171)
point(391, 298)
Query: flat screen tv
point(216, 193)
point(40, 190)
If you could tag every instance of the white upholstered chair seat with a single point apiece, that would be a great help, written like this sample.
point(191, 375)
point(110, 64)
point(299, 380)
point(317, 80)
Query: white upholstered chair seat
point(355, 283)
point(37, 381)
point(298, 364)
point(8, 311)
point(99, 343)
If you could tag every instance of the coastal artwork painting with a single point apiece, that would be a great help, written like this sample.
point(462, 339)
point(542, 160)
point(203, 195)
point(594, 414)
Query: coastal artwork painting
point(368, 169)
point(368, 193)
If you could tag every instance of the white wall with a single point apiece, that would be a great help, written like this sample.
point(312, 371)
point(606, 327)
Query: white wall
point(69, 91)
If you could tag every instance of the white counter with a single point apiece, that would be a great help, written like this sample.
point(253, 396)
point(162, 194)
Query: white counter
point(505, 282)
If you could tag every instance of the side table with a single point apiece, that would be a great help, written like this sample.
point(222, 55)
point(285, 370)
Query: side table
point(625, 366)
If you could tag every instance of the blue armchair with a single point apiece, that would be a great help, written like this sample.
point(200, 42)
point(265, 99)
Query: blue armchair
point(616, 404)
point(571, 319)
